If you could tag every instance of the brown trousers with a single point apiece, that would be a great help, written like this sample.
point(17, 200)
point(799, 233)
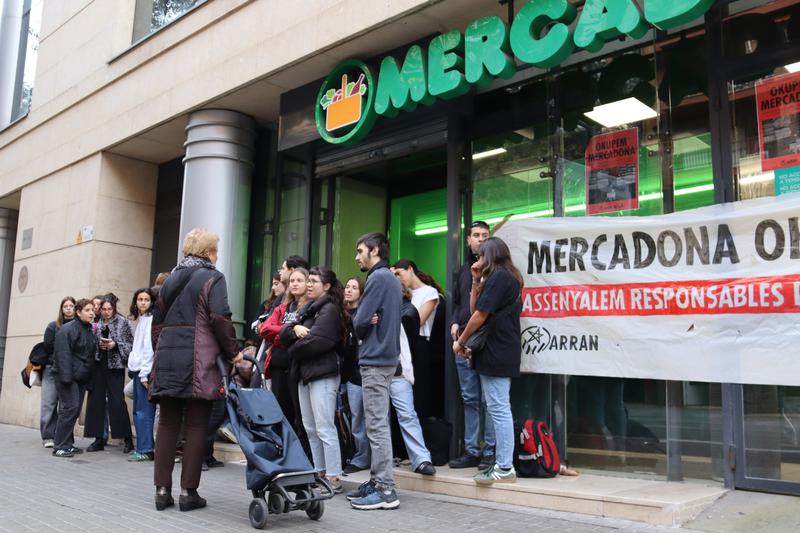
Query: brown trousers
point(193, 416)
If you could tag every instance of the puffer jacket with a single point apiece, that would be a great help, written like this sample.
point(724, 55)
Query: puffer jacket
point(317, 354)
point(74, 355)
point(191, 327)
point(119, 330)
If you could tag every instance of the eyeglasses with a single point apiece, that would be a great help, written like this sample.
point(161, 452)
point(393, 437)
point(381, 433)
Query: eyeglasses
point(313, 281)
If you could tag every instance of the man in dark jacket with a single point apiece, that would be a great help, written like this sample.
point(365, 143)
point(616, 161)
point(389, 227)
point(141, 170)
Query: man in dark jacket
point(73, 358)
point(467, 377)
point(377, 327)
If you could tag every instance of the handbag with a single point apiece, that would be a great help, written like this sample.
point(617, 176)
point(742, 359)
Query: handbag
point(30, 374)
point(477, 341)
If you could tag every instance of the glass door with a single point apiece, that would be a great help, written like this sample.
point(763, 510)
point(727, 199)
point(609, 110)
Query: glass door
point(760, 46)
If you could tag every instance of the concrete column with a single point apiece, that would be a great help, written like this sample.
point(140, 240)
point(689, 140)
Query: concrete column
point(10, 27)
point(8, 236)
point(218, 167)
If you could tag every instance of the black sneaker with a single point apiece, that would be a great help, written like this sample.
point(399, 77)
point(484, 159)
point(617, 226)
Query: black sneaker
point(426, 469)
point(365, 489)
point(76, 451)
point(487, 461)
point(465, 461)
point(97, 446)
point(352, 469)
point(212, 462)
point(63, 453)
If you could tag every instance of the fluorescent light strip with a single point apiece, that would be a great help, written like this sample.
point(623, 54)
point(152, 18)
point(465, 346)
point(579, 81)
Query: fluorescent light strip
point(570, 209)
point(758, 178)
point(488, 153)
point(621, 112)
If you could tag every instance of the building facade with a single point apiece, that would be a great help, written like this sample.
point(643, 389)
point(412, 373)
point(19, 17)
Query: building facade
point(145, 118)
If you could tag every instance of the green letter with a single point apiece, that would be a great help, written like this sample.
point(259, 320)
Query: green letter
point(487, 52)
point(395, 85)
point(602, 20)
point(444, 80)
point(530, 22)
point(665, 14)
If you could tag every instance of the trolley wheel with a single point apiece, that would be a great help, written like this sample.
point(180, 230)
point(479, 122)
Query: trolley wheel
point(316, 509)
point(277, 504)
point(301, 496)
point(258, 513)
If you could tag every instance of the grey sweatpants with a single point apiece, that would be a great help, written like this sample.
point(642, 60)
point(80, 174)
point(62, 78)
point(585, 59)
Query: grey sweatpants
point(375, 384)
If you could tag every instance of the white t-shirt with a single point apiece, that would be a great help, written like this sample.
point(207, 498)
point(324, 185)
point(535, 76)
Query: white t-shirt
point(419, 297)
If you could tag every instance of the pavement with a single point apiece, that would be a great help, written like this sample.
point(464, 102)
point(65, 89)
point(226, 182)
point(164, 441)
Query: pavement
point(101, 491)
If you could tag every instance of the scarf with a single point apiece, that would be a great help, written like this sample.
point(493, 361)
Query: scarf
point(192, 261)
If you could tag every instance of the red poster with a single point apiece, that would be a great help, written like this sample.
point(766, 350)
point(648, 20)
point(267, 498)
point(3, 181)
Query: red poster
point(612, 172)
point(778, 101)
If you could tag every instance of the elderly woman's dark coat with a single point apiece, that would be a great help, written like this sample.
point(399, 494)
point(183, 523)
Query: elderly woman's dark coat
point(191, 327)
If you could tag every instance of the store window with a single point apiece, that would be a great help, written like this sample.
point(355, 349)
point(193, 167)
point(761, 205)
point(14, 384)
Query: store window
point(19, 41)
point(152, 15)
point(550, 158)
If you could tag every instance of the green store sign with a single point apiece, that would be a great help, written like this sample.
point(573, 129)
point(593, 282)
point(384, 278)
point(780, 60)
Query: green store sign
point(351, 98)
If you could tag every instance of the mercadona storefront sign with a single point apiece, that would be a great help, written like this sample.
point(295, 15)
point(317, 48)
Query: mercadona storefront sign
point(351, 97)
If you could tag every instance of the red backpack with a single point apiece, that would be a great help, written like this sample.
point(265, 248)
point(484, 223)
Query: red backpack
point(536, 453)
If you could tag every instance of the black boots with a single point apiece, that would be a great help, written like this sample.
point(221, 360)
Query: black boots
point(191, 500)
point(97, 446)
point(163, 498)
point(128, 445)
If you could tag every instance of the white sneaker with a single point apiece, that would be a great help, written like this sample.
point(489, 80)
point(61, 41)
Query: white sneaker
point(47, 443)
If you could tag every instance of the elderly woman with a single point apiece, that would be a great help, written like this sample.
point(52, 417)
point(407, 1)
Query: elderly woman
point(191, 326)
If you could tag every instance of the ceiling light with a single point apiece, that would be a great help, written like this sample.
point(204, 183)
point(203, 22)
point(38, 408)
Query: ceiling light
point(488, 153)
point(621, 112)
point(792, 67)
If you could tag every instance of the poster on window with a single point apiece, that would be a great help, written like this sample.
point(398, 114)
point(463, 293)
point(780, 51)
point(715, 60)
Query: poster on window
point(778, 101)
point(710, 294)
point(612, 172)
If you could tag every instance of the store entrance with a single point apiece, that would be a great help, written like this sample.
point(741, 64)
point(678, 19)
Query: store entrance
point(406, 199)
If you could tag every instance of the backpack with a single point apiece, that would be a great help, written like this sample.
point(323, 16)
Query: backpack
point(535, 453)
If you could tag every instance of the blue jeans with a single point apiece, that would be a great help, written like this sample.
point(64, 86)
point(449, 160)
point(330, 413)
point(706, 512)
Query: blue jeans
point(361, 458)
point(471, 395)
point(144, 414)
point(402, 395)
point(318, 410)
point(496, 394)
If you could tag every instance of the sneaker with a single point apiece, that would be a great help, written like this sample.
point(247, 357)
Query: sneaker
point(487, 461)
point(352, 469)
point(63, 453)
point(76, 451)
point(495, 474)
point(377, 499)
point(426, 469)
point(213, 462)
point(136, 457)
point(204, 467)
point(48, 443)
point(465, 461)
point(366, 488)
point(96, 446)
point(335, 483)
point(227, 433)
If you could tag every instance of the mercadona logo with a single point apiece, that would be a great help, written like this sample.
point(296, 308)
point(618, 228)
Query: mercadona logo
point(345, 105)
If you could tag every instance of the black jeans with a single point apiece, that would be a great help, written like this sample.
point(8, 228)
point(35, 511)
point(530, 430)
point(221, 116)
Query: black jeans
point(107, 384)
point(70, 399)
point(219, 414)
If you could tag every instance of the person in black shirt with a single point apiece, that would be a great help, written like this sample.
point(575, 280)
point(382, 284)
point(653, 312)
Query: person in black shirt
point(467, 376)
point(495, 296)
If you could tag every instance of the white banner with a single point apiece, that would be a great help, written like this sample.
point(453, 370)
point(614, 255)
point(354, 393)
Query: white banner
point(711, 294)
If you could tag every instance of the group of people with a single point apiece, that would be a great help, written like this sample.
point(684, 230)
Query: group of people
point(360, 338)
point(88, 349)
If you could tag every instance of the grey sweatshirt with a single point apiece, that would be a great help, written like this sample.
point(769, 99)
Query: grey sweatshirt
point(379, 344)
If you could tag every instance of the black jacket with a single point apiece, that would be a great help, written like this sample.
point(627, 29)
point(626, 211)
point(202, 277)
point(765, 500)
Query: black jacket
point(351, 373)
point(317, 354)
point(49, 341)
point(461, 312)
point(75, 349)
point(191, 327)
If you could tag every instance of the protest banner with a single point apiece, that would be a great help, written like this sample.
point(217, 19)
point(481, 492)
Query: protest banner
point(711, 294)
